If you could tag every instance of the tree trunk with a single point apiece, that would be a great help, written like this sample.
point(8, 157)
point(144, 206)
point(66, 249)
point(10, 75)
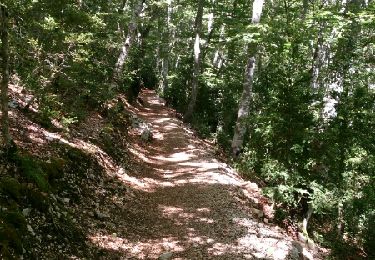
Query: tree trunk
point(244, 106)
point(166, 49)
point(5, 76)
point(128, 41)
point(196, 70)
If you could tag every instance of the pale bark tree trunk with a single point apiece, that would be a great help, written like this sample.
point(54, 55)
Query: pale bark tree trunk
point(317, 61)
point(128, 41)
point(196, 71)
point(211, 27)
point(166, 48)
point(5, 76)
point(218, 57)
point(159, 53)
point(244, 106)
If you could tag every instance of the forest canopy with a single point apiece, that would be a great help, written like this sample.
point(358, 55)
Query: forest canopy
point(286, 88)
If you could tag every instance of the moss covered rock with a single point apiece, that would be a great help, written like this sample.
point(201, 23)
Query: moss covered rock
point(9, 236)
point(15, 219)
point(38, 200)
point(11, 187)
point(31, 169)
point(54, 169)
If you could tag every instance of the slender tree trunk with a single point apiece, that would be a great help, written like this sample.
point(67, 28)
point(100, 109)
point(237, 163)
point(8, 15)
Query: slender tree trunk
point(159, 53)
point(196, 71)
point(166, 49)
point(210, 31)
point(128, 41)
point(5, 76)
point(244, 106)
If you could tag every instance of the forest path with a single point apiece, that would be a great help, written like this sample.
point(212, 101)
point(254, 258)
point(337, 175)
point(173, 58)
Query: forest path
point(188, 205)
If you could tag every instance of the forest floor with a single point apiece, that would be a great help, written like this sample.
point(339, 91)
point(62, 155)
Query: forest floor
point(190, 205)
point(170, 198)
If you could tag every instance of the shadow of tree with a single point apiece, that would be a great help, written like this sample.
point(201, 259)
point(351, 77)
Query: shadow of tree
point(169, 195)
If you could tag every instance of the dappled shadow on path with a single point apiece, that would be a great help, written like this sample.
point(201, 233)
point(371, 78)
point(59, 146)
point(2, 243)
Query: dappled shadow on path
point(185, 203)
point(129, 199)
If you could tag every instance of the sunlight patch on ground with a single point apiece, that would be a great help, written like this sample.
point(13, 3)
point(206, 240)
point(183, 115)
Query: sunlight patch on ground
point(162, 120)
point(245, 222)
point(140, 155)
point(210, 178)
point(202, 165)
point(141, 250)
point(177, 174)
point(158, 136)
point(179, 215)
point(41, 135)
point(204, 210)
point(132, 181)
point(218, 249)
point(176, 157)
point(195, 239)
point(171, 126)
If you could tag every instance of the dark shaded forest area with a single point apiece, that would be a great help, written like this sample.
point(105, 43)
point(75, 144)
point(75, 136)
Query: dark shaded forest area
point(284, 91)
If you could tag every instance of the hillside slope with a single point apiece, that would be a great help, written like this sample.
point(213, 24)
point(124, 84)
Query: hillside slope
point(112, 193)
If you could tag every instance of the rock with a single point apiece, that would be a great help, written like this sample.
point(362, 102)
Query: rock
point(301, 237)
point(26, 212)
point(100, 215)
point(257, 212)
point(13, 104)
point(259, 255)
point(251, 186)
point(294, 254)
point(165, 256)
point(121, 171)
point(30, 229)
point(53, 197)
point(254, 211)
point(310, 244)
point(50, 138)
point(146, 135)
point(307, 255)
point(265, 220)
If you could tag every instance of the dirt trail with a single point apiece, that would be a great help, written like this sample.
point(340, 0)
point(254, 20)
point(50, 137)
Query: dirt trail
point(186, 203)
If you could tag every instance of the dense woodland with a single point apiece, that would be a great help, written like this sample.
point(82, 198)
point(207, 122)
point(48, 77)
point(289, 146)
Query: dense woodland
point(284, 88)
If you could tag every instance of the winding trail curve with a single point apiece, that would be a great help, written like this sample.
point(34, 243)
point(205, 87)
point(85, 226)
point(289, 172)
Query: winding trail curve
point(187, 204)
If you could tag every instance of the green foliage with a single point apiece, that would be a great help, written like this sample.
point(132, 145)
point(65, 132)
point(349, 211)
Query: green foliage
point(13, 225)
point(37, 200)
point(9, 237)
point(54, 169)
point(308, 52)
point(32, 170)
point(15, 219)
point(176, 95)
point(11, 186)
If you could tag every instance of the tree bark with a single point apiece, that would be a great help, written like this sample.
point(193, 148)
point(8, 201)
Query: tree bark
point(128, 41)
point(166, 49)
point(5, 76)
point(244, 106)
point(196, 71)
